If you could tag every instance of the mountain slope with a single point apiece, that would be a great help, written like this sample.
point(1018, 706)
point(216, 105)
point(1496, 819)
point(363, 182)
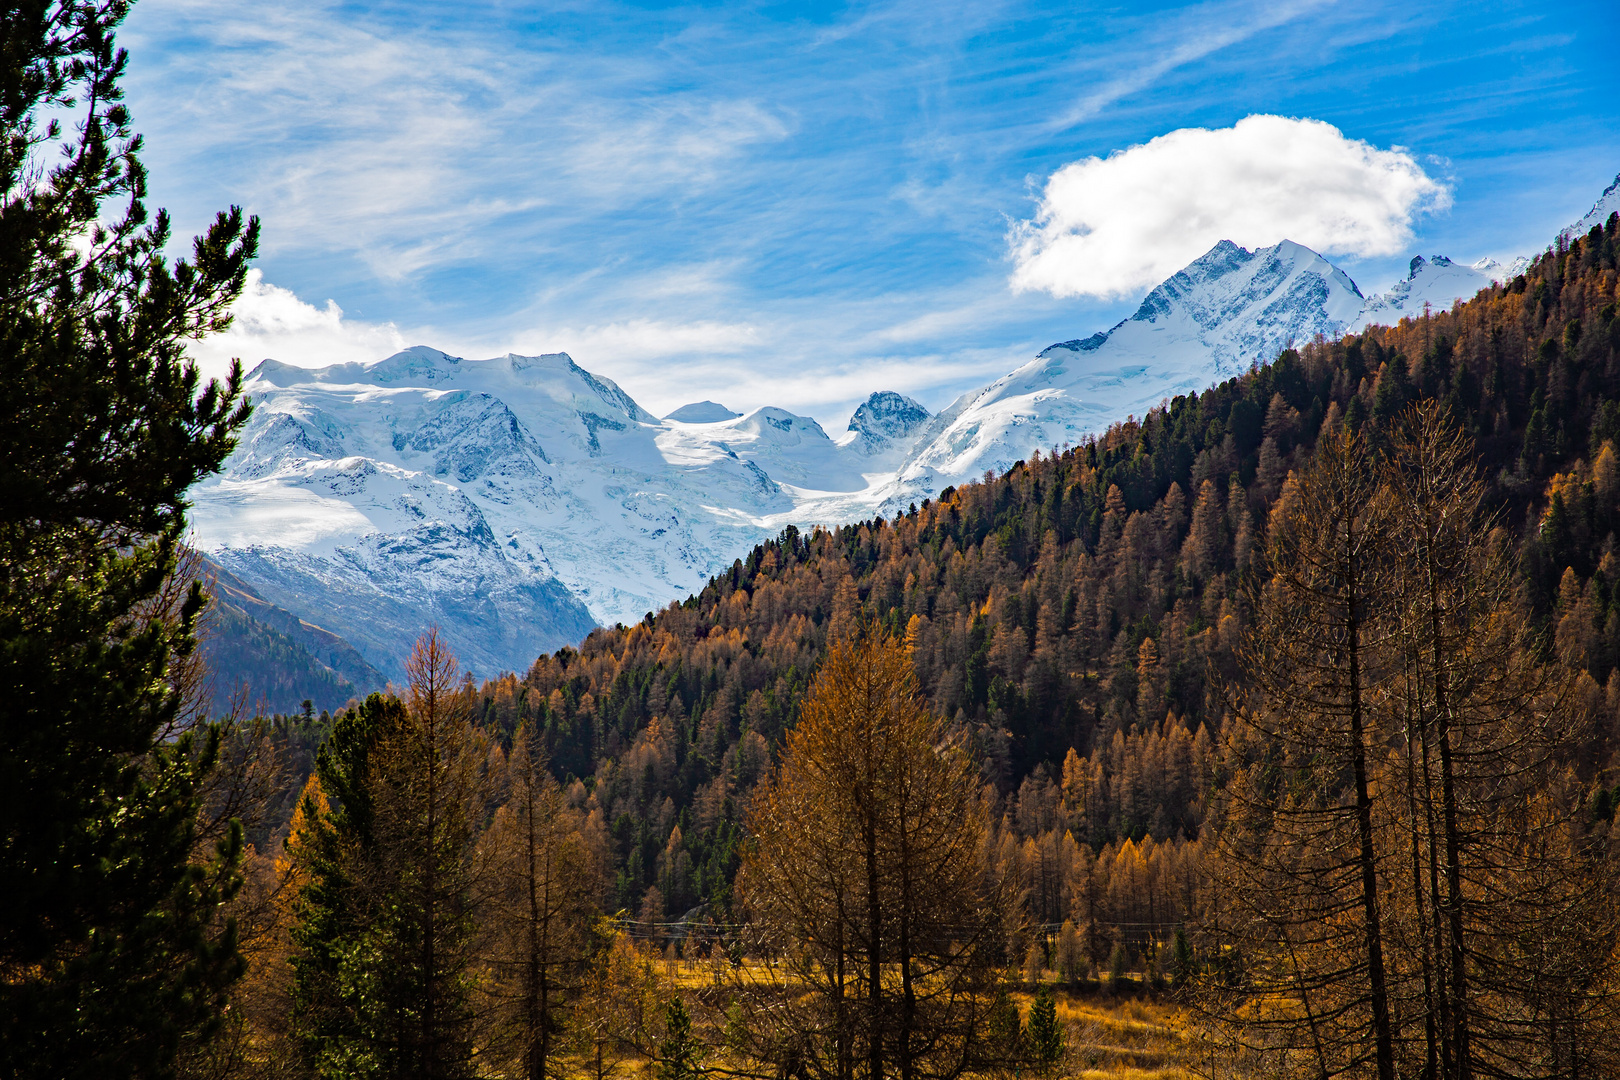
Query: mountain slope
point(268, 658)
point(515, 502)
point(1433, 284)
point(1076, 616)
point(519, 501)
point(1607, 203)
point(1227, 310)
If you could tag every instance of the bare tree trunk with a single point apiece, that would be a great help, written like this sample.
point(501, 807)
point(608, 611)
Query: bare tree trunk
point(1384, 1045)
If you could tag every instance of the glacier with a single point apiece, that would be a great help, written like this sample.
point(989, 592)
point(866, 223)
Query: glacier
point(515, 502)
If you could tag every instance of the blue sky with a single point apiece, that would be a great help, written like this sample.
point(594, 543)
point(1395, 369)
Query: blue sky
point(797, 204)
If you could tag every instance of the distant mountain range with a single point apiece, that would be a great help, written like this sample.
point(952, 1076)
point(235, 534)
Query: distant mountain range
point(517, 502)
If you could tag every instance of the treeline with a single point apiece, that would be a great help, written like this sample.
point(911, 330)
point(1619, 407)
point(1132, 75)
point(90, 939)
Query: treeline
point(1268, 696)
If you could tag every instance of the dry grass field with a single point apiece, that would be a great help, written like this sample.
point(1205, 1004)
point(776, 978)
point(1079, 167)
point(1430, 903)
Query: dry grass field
point(1128, 1036)
point(1121, 1038)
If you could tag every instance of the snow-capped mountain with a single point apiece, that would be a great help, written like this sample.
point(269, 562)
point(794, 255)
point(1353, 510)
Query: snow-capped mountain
point(884, 423)
point(521, 500)
point(1607, 203)
point(1225, 311)
point(1436, 283)
point(515, 502)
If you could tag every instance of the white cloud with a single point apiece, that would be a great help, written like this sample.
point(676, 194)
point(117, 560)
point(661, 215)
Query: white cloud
point(1110, 227)
point(272, 322)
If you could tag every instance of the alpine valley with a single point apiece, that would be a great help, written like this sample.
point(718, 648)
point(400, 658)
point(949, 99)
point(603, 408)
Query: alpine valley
point(517, 502)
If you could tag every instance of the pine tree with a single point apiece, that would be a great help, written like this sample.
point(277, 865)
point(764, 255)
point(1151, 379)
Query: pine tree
point(1045, 1033)
point(386, 928)
point(111, 955)
point(679, 1054)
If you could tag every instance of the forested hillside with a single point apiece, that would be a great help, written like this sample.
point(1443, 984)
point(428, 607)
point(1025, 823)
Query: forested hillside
point(1079, 615)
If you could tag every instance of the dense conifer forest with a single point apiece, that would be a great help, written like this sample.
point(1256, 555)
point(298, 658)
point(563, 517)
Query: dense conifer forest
point(1079, 616)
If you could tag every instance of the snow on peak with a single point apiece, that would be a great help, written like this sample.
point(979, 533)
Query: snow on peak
point(1250, 305)
point(1225, 311)
point(1500, 273)
point(887, 415)
point(419, 362)
point(702, 412)
point(1432, 284)
point(516, 501)
point(1607, 203)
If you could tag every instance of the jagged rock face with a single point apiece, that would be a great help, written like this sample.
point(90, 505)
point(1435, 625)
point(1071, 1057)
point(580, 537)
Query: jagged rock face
point(885, 418)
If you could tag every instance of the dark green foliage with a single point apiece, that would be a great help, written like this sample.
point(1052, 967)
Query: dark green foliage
point(1045, 1033)
point(332, 917)
point(679, 1054)
point(1004, 1032)
point(366, 1003)
point(1181, 959)
point(1118, 960)
point(111, 954)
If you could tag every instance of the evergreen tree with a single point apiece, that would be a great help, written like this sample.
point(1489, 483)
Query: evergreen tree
point(336, 845)
point(111, 952)
point(387, 914)
point(679, 1054)
point(1003, 1031)
point(1045, 1033)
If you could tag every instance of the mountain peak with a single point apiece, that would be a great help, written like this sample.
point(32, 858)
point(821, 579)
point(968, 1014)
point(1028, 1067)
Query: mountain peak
point(416, 362)
point(1432, 284)
point(888, 415)
point(702, 412)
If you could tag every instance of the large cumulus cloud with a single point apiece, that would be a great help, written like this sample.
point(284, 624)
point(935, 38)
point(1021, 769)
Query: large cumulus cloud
point(1110, 227)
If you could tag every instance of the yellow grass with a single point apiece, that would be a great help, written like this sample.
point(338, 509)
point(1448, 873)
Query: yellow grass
point(1119, 1039)
point(1107, 1038)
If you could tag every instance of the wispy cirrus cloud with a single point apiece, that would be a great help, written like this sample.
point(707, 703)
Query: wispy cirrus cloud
point(414, 147)
point(1193, 35)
